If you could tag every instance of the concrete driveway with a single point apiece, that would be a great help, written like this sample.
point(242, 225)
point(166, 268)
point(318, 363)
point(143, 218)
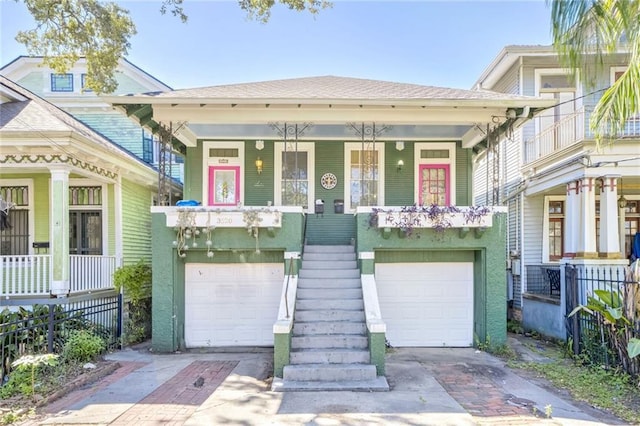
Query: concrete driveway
point(429, 386)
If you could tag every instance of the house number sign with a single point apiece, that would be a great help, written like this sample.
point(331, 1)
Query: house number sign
point(329, 181)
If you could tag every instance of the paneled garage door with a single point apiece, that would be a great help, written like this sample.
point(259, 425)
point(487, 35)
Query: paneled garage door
point(231, 304)
point(426, 304)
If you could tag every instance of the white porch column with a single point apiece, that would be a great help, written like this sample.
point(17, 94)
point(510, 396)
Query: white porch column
point(571, 222)
point(622, 216)
point(587, 228)
point(59, 230)
point(609, 237)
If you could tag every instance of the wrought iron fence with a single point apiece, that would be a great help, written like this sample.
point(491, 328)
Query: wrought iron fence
point(45, 328)
point(585, 331)
point(543, 280)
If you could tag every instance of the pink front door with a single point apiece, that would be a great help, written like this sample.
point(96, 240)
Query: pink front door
point(224, 185)
point(434, 184)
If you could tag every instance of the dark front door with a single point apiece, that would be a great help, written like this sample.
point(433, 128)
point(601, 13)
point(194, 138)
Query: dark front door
point(85, 235)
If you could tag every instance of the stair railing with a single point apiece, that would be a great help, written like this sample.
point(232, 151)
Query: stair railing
point(286, 288)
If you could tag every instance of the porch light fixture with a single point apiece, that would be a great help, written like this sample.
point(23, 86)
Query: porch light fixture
point(258, 165)
point(622, 202)
point(399, 145)
point(259, 144)
point(400, 165)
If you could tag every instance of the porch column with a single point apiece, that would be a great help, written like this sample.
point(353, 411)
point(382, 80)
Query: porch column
point(587, 227)
point(571, 224)
point(622, 217)
point(59, 230)
point(609, 236)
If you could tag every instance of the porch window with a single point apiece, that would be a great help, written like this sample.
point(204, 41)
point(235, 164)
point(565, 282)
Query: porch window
point(14, 223)
point(631, 224)
point(556, 228)
point(364, 177)
point(295, 179)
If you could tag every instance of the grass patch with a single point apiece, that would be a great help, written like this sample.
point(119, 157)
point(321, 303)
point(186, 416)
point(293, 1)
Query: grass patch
point(610, 390)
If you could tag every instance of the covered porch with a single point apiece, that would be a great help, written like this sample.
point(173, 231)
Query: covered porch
point(381, 170)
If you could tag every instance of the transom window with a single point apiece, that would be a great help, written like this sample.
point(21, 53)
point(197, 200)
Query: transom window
point(62, 82)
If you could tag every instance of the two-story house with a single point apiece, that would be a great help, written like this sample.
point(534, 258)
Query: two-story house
point(106, 203)
point(68, 92)
point(570, 201)
point(336, 208)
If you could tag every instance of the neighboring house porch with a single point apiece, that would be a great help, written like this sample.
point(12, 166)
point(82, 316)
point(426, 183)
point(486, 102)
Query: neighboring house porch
point(75, 206)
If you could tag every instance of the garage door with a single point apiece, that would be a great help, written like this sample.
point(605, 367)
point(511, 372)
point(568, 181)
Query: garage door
point(231, 304)
point(426, 304)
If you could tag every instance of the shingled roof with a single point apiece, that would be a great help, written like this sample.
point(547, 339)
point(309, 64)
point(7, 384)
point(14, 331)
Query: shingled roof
point(328, 88)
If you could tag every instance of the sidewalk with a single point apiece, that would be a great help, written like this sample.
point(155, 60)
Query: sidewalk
point(429, 386)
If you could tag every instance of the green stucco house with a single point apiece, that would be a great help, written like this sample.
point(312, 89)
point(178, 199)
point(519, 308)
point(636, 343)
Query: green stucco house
point(330, 194)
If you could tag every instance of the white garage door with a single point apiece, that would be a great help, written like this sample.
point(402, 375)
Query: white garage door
point(231, 304)
point(426, 304)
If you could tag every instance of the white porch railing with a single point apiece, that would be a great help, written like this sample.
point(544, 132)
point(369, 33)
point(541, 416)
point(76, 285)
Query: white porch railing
point(91, 272)
point(569, 131)
point(31, 275)
point(25, 275)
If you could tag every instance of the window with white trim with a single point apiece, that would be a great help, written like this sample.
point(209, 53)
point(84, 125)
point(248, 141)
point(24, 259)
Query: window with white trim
point(364, 170)
point(294, 182)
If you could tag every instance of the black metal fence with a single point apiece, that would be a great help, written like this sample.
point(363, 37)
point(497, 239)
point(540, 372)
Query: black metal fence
point(44, 328)
point(543, 280)
point(587, 335)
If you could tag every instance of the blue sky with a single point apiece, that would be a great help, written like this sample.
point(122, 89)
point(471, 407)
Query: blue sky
point(438, 43)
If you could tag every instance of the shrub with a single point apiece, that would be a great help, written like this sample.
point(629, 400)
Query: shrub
point(136, 281)
point(82, 346)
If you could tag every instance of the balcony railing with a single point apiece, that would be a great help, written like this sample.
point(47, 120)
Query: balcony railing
point(568, 131)
point(31, 275)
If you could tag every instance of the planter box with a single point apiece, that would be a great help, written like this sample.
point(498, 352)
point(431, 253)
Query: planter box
point(221, 219)
point(422, 220)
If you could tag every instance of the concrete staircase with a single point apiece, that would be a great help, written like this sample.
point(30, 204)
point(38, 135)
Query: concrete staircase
point(329, 344)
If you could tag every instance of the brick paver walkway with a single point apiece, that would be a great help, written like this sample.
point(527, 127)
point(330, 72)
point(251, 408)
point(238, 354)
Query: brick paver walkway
point(79, 394)
point(475, 389)
point(177, 399)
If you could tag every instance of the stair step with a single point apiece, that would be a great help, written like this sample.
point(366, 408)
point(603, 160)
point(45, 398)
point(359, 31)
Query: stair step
point(329, 356)
point(334, 293)
point(325, 304)
point(329, 264)
point(328, 256)
point(329, 249)
point(321, 315)
point(329, 283)
point(345, 341)
point(329, 372)
point(328, 327)
point(329, 273)
point(379, 384)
